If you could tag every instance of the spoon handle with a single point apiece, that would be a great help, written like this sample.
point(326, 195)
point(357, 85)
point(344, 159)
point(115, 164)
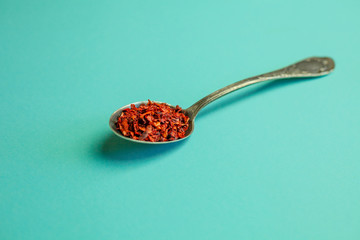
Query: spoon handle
point(309, 67)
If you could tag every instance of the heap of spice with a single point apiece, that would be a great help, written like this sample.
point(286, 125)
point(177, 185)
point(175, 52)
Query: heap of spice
point(154, 122)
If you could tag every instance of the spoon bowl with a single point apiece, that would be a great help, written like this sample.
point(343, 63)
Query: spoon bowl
point(307, 68)
point(114, 118)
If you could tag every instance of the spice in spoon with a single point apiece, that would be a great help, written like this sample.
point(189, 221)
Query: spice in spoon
point(154, 122)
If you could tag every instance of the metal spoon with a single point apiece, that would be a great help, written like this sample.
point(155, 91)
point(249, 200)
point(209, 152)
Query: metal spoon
point(309, 67)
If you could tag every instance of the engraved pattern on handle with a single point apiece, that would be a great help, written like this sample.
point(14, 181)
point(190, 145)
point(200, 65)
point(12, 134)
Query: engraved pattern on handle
point(309, 67)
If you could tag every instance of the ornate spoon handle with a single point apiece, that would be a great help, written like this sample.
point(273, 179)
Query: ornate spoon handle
point(309, 67)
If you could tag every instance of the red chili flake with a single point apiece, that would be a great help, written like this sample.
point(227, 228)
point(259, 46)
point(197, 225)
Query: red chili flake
point(154, 122)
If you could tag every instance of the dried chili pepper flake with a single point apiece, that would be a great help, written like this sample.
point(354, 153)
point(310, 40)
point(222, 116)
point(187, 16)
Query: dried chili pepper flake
point(155, 122)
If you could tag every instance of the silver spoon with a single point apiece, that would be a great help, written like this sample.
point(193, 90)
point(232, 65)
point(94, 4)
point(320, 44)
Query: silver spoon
point(309, 67)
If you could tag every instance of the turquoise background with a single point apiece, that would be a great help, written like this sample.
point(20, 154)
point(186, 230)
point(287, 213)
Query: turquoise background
point(277, 160)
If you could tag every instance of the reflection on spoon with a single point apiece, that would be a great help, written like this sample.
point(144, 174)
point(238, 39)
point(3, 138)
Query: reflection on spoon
point(309, 67)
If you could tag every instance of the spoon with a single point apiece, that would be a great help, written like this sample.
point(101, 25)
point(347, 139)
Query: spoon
point(307, 68)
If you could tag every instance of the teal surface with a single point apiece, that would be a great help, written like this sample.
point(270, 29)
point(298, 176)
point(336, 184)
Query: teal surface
point(277, 160)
